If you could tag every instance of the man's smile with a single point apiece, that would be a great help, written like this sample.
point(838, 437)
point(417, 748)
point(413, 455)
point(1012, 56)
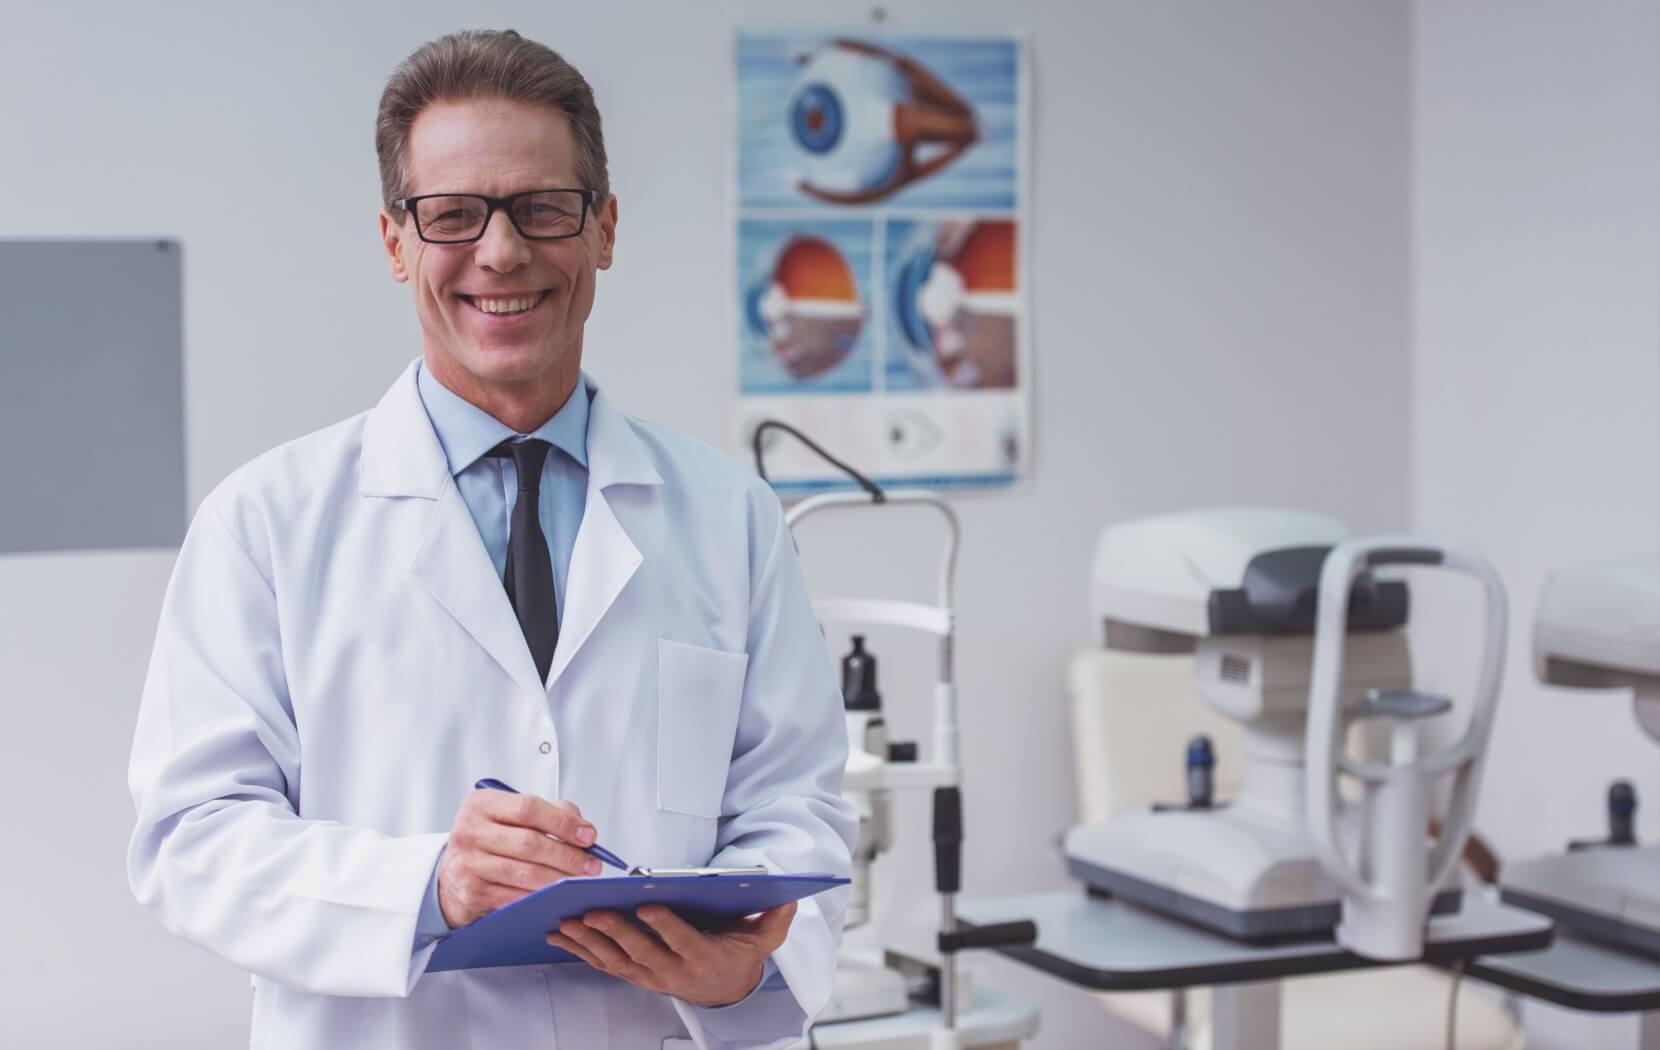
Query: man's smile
point(509, 305)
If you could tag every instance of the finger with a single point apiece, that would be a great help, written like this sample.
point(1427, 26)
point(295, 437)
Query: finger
point(641, 947)
point(514, 874)
point(753, 927)
point(612, 959)
point(533, 847)
point(559, 940)
point(560, 819)
point(774, 926)
point(682, 938)
point(764, 932)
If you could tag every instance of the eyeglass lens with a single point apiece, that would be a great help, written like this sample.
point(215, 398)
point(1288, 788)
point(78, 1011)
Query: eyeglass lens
point(546, 214)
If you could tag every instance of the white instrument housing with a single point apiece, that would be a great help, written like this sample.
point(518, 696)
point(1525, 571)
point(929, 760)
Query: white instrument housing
point(1159, 573)
point(1598, 626)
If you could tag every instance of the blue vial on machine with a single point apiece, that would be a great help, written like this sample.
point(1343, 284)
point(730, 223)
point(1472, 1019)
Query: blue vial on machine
point(1201, 765)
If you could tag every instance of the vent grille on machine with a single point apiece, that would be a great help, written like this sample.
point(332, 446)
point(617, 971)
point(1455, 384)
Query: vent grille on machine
point(1235, 668)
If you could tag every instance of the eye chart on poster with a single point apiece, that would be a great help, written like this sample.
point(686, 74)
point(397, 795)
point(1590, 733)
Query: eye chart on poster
point(881, 262)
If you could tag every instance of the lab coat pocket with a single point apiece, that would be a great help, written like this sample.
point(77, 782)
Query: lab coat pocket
point(699, 692)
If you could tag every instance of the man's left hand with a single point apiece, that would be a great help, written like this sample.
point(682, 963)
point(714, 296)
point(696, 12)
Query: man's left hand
point(672, 957)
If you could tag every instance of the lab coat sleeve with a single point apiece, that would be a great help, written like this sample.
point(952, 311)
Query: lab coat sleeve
point(220, 854)
point(782, 806)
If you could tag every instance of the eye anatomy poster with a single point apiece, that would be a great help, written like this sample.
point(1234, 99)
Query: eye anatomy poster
point(881, 256)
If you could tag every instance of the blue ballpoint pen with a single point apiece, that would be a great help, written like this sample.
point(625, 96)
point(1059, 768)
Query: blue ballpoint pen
point(596, 850)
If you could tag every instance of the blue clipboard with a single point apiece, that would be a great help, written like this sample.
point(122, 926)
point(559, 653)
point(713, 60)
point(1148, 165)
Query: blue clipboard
point(516, 934)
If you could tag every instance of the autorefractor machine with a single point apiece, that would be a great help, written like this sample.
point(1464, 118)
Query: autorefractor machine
point(1598, 626)
point(1299, 636)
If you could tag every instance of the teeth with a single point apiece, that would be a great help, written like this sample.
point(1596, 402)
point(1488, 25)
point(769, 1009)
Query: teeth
point(506, 306)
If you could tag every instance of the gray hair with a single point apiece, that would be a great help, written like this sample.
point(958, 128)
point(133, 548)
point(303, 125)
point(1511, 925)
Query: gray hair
point(486, 64)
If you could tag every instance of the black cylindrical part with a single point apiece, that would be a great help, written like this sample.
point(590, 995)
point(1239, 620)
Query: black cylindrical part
point(1622, 813)
point(948, 839)
point(1000, 935)
point(859, 678)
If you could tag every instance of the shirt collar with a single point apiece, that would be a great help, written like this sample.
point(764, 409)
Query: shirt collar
point(467, 432)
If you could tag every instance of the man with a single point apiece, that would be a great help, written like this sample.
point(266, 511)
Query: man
point(492, 574)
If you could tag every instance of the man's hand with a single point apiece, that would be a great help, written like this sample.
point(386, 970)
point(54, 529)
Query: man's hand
point(672, 957)
point(499, 851)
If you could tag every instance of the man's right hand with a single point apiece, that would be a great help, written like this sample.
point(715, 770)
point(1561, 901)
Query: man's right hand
point(499, 851)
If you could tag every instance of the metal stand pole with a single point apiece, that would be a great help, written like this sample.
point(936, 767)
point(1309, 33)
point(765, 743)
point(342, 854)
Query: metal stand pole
point(1246, 1016)
point(948, 965)
point(1178, 1019)
point(1648, 1031)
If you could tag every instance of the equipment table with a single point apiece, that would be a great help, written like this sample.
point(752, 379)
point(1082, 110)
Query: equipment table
point(1582, 975)
point(1107, 945)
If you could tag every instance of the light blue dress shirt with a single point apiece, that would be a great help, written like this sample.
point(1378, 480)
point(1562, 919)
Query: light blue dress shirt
point(490, 486)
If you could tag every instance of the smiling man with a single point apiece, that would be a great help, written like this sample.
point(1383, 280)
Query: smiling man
point(494, 573)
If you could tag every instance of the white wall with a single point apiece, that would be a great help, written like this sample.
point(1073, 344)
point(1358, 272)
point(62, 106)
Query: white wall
point(1220, 268)
point(1536, 352)
point(1536, 364)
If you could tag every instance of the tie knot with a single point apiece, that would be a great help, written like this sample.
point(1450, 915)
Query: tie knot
point(528, 457)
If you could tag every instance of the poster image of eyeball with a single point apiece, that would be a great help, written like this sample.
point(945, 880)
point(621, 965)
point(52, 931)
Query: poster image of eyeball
point(954, 309)
point(804, 290)
point(867, 121)
point(841, 122)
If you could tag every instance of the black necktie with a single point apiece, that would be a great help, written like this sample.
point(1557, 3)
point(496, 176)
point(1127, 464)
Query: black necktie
point(529, 573)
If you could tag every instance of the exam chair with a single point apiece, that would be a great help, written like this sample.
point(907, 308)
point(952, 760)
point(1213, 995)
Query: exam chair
point(1132, 716)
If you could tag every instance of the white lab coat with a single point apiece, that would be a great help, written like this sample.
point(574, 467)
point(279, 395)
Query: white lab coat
point(337, 663)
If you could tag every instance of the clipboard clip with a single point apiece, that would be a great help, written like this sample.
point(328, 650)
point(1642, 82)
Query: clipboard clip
point(682, 873)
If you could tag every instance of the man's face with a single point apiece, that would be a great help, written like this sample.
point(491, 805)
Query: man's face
point(497, 147)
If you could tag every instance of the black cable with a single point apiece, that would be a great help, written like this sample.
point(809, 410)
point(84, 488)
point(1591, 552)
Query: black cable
point(875, 490)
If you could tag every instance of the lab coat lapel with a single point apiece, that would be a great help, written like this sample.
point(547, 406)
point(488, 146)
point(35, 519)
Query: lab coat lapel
point(602, 562)
point(455, 567)
point(603, 558)
point(402, 459)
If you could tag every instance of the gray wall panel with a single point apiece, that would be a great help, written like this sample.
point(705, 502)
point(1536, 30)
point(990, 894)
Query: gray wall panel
point(91, 395)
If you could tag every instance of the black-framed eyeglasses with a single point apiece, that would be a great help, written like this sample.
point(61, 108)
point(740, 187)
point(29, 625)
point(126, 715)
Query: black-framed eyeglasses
point(461, 218)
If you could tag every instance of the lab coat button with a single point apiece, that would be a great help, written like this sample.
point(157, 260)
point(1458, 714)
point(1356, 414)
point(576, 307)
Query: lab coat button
point(546, 747)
